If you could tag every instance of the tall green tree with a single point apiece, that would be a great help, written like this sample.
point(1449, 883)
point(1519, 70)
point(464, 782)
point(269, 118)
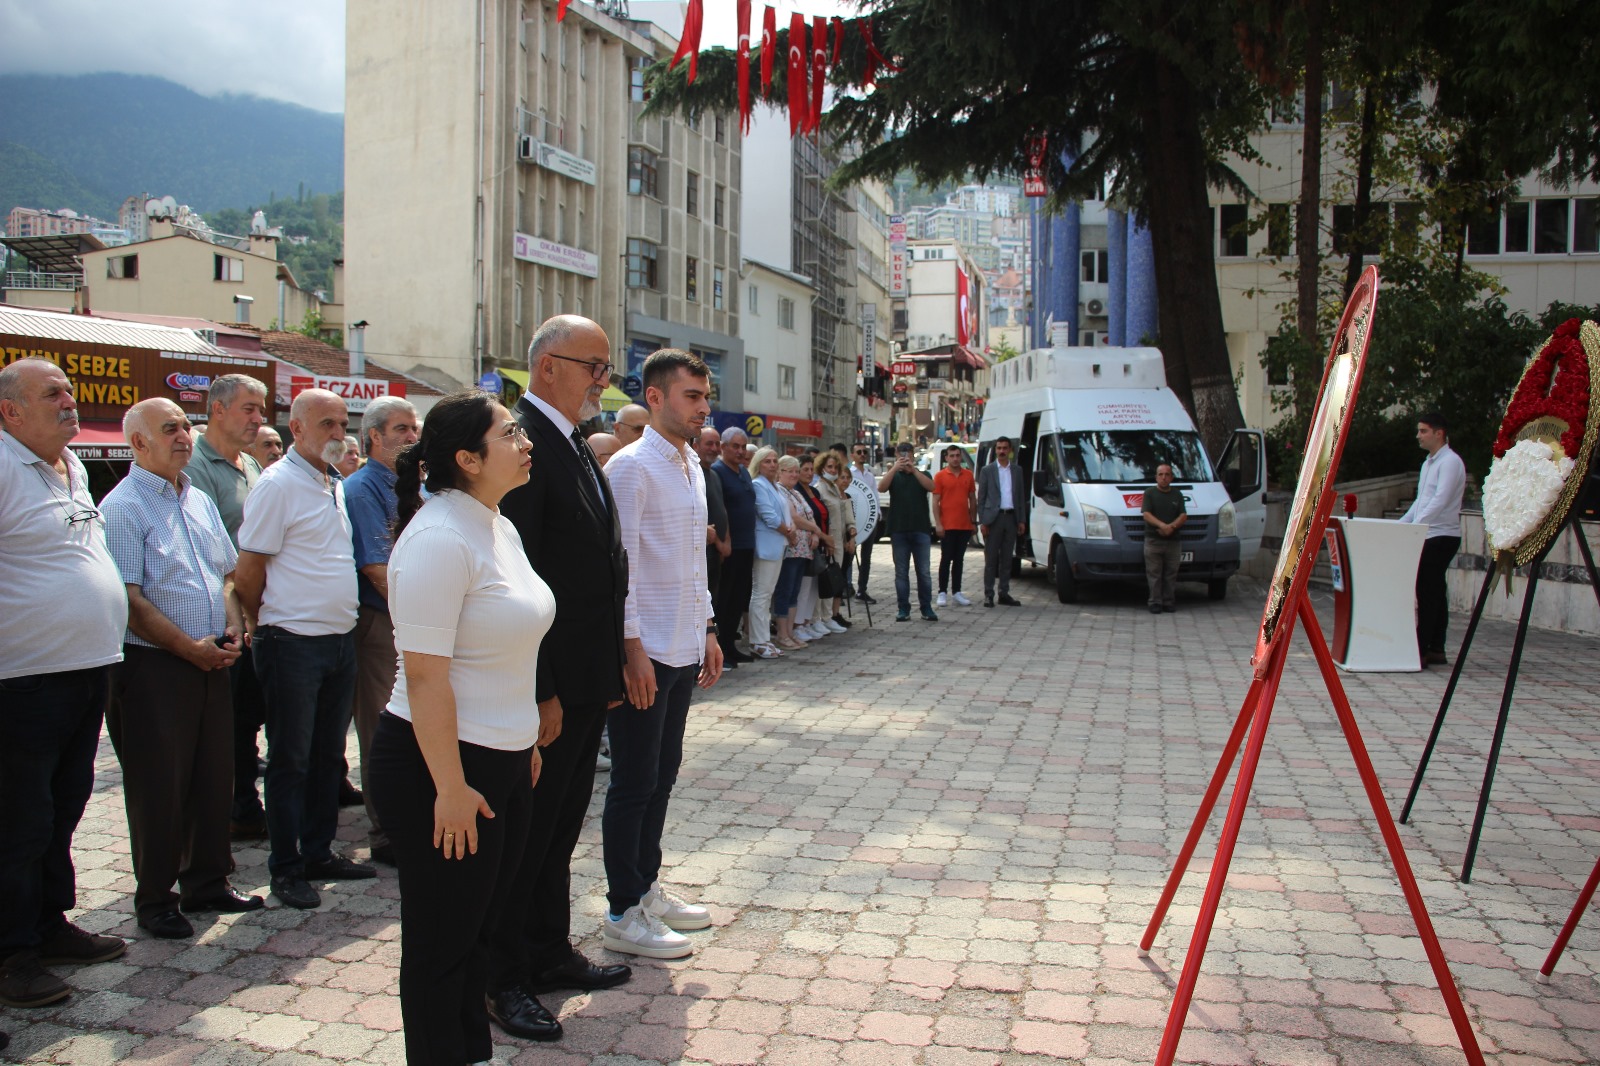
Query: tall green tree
point(1147, 96)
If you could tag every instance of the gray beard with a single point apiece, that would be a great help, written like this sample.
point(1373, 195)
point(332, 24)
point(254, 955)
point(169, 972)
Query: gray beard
point(333, 454)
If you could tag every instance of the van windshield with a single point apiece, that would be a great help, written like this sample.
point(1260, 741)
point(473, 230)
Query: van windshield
point(1132, 455)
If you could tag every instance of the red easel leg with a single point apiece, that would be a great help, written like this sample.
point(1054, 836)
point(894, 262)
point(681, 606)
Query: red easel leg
point(1225, 844)
point(1208, 803)
point(1572, 920)
point(1391, 837)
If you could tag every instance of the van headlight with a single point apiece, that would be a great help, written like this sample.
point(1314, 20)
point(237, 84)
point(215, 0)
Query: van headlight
point(1096, 524)
point(1226, 525)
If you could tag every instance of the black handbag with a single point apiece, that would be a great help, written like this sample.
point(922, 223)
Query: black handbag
point(830, 581)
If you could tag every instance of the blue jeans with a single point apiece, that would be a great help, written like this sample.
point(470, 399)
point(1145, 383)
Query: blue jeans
point(646, 748)
point(49, 731)
point(788, 588)
point(905, 546)
point(308, 683)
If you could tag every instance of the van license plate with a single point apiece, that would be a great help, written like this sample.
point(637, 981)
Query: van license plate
point(1186, 557)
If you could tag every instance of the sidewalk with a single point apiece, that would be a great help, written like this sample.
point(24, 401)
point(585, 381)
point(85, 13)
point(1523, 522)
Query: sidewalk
point(939, 844)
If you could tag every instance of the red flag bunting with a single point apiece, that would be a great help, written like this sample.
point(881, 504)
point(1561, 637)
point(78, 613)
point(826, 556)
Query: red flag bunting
point(797, 74)
point(769, 45)
point(744, 66)
point(964, 317)
point(561, 9)
point(819, 68)
point(838, 39)
point(875, 58)
point(689, 45)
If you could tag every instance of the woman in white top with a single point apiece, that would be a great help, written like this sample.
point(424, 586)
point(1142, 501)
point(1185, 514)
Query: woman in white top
point(774, 530)
point(454, 758)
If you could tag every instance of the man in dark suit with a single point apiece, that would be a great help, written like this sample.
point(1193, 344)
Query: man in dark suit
point(1002, 503)
point(568, 523)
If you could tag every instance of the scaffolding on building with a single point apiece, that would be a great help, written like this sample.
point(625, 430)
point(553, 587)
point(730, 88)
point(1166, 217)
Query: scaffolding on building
point(824, 244)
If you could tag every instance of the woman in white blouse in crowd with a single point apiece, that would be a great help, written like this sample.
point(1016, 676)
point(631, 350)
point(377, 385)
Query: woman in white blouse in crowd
point(454, 758)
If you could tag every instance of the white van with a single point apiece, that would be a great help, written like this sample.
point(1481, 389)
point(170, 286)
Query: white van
point(1090, 426)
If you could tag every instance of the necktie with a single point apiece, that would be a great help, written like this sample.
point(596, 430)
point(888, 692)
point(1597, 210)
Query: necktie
point(589, 464)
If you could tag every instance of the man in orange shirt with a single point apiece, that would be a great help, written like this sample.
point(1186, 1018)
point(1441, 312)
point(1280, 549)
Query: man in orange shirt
point(955, 497)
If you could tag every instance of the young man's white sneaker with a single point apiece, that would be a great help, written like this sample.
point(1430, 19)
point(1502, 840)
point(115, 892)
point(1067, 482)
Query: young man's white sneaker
point(640, 933)
point(674, 912)
point(818, 630)
point(831, 626)
point(961, 598)
point(941, 601)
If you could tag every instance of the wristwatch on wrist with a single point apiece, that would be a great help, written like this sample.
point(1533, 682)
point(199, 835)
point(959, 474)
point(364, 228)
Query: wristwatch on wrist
point(711, 627)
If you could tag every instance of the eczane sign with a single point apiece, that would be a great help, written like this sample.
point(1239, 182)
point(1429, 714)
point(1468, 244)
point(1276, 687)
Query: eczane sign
point(355, 392)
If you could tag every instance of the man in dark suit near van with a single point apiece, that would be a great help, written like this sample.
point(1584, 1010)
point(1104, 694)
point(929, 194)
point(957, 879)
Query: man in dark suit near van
point(1001, 505)
point(568, 523)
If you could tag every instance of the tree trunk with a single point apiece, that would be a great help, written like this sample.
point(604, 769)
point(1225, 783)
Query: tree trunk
point(1309, 214)
point(1179, 216)
point(1363, 209)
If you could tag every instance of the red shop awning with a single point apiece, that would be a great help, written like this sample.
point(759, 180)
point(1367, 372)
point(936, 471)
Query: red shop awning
point(101, 440)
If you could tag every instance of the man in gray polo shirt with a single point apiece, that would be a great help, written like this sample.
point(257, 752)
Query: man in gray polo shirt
point(224, 469)
point(62, 612)
point(297, 579)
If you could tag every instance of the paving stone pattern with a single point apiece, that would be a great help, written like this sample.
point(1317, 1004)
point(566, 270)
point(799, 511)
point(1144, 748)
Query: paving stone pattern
point(939, 844)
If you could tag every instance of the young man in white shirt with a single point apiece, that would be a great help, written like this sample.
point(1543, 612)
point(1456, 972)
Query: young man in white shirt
point(1438, 506)
point(670, 638)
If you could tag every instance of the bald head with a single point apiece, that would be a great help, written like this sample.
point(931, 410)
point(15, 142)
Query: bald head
point(319, 421)
point(604, 446)
point(631, 421)
point(159, 433)
point(709, 445)
point(569, 365)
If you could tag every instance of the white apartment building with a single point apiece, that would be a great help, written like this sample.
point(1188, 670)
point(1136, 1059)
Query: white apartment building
point(776, 329)
point(874, 203)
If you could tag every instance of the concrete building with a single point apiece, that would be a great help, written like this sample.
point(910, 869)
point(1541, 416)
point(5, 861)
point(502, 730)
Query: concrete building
point(775, 324)
point(876, 310)
point(946, 339)
point(33, 222)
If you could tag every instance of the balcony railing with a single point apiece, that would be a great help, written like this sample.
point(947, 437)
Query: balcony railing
point(39, 279)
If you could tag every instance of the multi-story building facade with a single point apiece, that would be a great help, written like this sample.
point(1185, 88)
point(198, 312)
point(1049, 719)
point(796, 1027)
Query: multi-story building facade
point(945, 339)
point(33, 222)
point(876, 310)
point(775, 324)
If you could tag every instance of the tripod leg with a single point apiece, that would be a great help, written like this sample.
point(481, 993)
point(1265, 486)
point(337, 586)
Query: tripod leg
point(1225, 845)
point(1588, 558)
point(1572, 920)
point(1449, 691)
point(1208, 803)
point(1500, 725)
point(1391, 838)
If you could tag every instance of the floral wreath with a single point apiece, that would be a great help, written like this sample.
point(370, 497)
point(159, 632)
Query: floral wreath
point(1543, 450)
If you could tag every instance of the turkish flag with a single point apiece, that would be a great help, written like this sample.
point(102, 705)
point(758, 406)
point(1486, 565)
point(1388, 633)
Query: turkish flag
point(561, 9)
point(963, 308)
point(838, 39)
point(689, 45)
point(798, 119)
point(819, 67)
point(769, 45)
point(744, 66)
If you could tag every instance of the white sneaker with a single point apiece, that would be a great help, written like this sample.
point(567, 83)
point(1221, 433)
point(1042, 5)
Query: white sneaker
point(639, 933)
point(674, 913)
point(941, 601)
point(961, 598)
point(817, 630)
point(799, 633)
point(831, 626)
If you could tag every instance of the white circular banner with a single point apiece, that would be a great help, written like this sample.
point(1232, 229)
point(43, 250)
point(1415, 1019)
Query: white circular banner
point(863, 493)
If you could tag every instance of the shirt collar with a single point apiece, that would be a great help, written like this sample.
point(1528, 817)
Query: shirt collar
point(380, 471)
point(155, 483)
point(324, 477)
point(24, 454)
point(663, 447)
point(562, 422)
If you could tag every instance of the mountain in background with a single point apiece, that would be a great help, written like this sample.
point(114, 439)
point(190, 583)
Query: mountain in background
point(89, 141)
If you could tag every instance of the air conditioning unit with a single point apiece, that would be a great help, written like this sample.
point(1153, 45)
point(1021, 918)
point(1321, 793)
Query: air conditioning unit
point(1095, 307)
point(527, 149)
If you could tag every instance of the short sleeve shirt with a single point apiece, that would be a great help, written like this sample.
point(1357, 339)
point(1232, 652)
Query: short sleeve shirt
point(370, 499)
point(1166, 506)
point(955, 504)
point(908, 505)
point(226, 484)
point(298, 517)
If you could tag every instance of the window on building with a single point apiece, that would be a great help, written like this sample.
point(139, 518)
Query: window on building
point(717, 196)
point(642, 265)
point(1344, 226)
point(1519, 219)
point(1586, 224)
point(1280, 229)
point(122, 266)
point(583, 57)
point(785, 382)
point(561, 43)
point(785, 313)
point(516, 304)
point(694, 121)
point(901, 321)
point(721, 121)
point(691, 279)
point(1096, 265)
point(1483, 235)
point(752, 367)
point(1550, 227)
point(1407, 221)
point(716, 289)
point(227, 268)
point(752, 300)
point(691, 199)
point(522, 25)
point(641, 172)
point(1233, 222)
point(636, 70)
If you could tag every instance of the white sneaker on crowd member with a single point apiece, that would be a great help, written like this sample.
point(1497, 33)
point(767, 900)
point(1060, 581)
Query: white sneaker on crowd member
point(638, 933)
point(941, 601)
point(961, 598)
point(674, 912)
point(799, 635)
point(831, 626)
point(815, 631)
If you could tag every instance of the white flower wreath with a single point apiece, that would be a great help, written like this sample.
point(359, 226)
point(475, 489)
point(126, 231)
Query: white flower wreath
point(1522, 486)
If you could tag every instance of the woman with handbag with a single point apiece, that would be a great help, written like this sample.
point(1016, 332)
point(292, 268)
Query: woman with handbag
point(796, 557)
point(833, 483)
point(807, 619)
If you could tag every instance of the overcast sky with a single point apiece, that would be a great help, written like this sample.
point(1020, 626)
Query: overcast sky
point(282, 49)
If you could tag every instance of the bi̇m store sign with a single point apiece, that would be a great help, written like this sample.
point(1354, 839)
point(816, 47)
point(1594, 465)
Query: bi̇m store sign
point(107, 379)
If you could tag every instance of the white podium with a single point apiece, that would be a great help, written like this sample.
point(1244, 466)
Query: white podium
point(1374, 562)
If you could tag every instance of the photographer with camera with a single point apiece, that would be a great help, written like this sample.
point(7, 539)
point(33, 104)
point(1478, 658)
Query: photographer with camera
point(910, 530)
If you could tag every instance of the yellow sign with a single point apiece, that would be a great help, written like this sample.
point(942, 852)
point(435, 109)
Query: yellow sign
point(755, 425)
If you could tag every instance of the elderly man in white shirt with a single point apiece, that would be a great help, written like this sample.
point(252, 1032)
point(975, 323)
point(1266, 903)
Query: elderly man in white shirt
point(1438, 506)
point(670, 637)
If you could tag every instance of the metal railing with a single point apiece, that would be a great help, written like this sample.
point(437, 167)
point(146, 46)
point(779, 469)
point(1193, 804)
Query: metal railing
point(39, 279)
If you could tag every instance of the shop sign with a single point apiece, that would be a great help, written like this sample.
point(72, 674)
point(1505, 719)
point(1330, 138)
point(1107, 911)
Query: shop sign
point(107, 379)
point(532, 249)
point(903, 368)
point(898, 258)
point(355, 392)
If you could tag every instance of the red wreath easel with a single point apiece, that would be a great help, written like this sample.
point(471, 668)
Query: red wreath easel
point(1256, 713)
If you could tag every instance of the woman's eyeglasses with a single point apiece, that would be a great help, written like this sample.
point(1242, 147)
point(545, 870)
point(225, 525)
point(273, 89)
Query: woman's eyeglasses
point(516, 431)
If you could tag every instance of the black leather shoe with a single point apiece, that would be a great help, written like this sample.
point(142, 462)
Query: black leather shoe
point(294, 892)
point(229, 901)
point(738, 656)
point(1007, 600)
point(350, 795)
point(253, 829)
point(168, 925)
point(519, 1014)
point(339, 868)
point(384, 853)
point(578, 972)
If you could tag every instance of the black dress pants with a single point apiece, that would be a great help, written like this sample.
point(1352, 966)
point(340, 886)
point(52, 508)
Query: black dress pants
point(1433, 595)
point(733, 598)
point(448, 907)
point(534, 931)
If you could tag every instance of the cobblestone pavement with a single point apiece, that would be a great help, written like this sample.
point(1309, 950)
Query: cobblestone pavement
point(939, 844)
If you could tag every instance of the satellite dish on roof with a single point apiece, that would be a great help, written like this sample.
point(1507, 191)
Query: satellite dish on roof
point(154, 208)
point(258, 223)
point(170, 205)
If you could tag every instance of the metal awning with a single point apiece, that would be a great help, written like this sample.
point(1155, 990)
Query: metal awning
point(55, 253)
